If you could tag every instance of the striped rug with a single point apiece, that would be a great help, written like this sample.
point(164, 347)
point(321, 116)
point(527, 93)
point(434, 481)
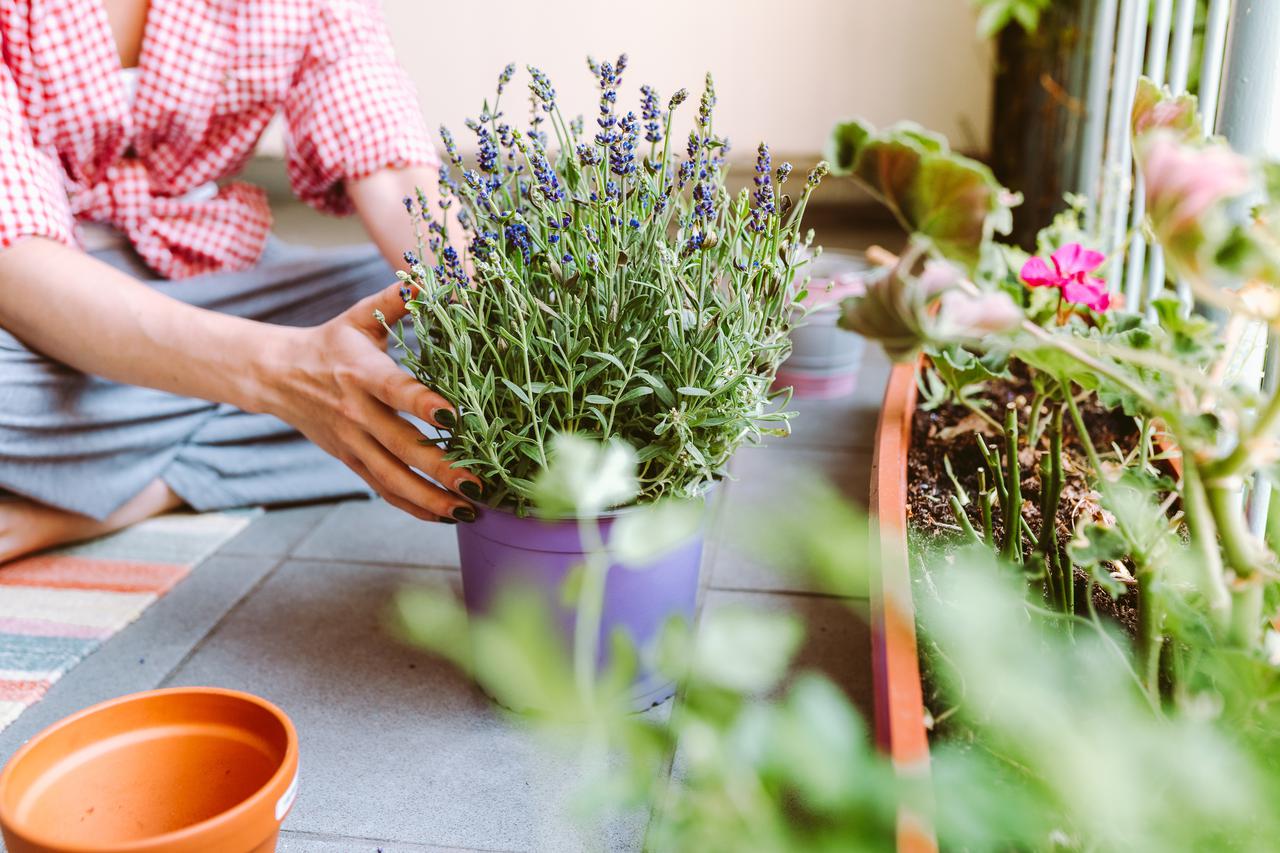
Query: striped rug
point(59, 606)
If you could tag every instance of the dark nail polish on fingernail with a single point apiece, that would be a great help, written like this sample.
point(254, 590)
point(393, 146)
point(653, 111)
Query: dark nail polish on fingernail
point(445, 418)
point(464, 513)
point(470, 489)
point(446, 520)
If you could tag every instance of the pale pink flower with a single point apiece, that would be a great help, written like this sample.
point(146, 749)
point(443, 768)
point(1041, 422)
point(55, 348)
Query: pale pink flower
point(1184, 181)
point(964, 315)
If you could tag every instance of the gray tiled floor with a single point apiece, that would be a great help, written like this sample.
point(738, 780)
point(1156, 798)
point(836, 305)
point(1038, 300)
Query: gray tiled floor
point(400, 752)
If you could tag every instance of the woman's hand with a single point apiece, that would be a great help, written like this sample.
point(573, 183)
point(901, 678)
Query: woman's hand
point(336, 384)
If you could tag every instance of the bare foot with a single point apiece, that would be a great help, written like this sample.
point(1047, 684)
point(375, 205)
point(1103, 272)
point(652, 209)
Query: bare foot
point(26, 526)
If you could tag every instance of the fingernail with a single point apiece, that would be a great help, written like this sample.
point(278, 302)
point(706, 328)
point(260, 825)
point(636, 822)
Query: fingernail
point(470, 489)
point(444, 520)
point(445, 418)
point(464, 513)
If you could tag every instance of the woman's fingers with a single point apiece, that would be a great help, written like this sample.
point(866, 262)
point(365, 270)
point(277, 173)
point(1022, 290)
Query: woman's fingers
point(396, 481)
point(417, 512)
point(398, 390)
point(387, 301)
point(408, 445)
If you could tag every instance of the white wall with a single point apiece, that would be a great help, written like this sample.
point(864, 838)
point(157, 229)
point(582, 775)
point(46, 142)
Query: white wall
point(785, 71)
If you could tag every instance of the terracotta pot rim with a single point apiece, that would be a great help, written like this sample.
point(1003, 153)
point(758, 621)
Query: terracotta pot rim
point(280, 779)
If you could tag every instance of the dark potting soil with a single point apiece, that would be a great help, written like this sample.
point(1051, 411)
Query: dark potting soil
point(950, 431)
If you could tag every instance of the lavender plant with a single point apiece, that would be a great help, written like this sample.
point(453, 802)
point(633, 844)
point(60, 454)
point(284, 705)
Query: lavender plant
point(606, 284)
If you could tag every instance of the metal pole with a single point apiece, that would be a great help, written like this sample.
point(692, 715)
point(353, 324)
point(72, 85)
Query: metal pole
point(1250, 120)
point(1215, 37)
point(1119, 168)
point(1180, 58)
point(1100, 57)
point(1136, 295)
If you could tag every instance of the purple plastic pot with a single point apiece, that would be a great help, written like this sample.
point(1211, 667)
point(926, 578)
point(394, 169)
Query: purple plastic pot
point(501, 550)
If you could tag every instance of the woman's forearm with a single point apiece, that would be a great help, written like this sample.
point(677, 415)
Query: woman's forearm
point(333, 382)
point(86, 314)
point(378, 199)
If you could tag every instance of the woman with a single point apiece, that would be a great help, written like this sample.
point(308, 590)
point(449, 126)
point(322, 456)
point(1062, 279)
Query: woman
point(157, 346)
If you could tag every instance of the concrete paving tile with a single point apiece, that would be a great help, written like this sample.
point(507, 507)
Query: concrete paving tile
point(376, 532)
point(277, 531)
point(845, 423)
point(837, 640)
point(768, 483)
point(396, 745)
point(142, 654)
point(305, 842)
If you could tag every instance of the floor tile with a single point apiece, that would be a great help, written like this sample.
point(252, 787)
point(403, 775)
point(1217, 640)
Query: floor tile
point(837, 645)
point(845, 423)
point(303, 842)
point(766, 484)
point(277, 531)
point(142, 654)
point(396, 745)
point(376, 532)
point(837, 640)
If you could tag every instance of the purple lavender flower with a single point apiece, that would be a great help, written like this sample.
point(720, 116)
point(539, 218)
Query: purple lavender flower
point(622, 159)
point(818, 173)
point(450, 146)
point(677, 99)
point(488, 154)
point(408, 205)
point(784, 172)
point(517, 234)
point(543, 91)
point(449, 270)
point(505, 77)
point(651, 113)
point(411, 259)
point(545, 174)
point(589, 155)
point(764, 196)
point(708, 102)
point(405, 293)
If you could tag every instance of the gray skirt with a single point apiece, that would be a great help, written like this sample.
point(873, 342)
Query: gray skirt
point(88, 445)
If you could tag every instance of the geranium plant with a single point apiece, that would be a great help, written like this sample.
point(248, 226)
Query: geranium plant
point(1205, 582)
point(607, 285)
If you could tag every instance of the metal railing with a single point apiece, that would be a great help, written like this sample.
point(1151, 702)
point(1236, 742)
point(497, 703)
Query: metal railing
point(1239, 95)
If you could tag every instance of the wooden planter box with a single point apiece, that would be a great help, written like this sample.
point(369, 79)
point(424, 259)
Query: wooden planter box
point(899, 698)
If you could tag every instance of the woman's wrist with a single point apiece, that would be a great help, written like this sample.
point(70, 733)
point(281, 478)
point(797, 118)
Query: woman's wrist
point(272, 356)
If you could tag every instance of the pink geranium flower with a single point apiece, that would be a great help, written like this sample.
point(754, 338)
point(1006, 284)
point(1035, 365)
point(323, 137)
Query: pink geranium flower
point(1069, 270)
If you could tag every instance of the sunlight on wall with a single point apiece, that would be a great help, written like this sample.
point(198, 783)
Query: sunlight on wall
point(785, 71)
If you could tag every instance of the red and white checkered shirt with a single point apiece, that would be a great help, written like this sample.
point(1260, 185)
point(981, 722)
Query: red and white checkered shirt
point(212, 73)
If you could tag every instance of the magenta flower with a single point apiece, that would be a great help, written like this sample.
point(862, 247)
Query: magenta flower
point(1069, 270)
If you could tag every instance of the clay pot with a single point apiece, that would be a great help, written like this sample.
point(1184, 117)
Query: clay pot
point(167, 771)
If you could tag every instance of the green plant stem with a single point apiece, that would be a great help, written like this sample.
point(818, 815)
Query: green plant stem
point(1242, 556)
point(1241, 458)
point(586, 629)
point(1198, 515)
point(962, 519)
point(1013, 510)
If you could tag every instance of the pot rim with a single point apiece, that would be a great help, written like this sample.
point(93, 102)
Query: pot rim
point(282, 775)
point(608, 515)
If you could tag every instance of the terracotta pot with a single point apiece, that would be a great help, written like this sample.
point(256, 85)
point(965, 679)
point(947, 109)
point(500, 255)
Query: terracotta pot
point(899, 698)
point(167, 771)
